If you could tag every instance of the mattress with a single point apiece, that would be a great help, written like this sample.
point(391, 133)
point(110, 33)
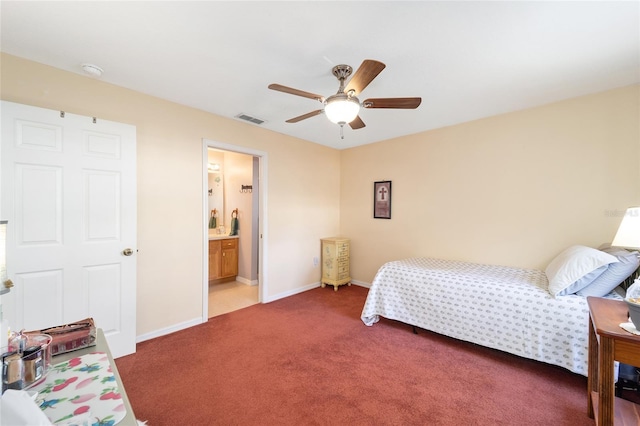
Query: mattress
point(499, 307)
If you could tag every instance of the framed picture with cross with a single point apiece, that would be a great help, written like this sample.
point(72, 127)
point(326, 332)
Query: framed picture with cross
point(382, 199)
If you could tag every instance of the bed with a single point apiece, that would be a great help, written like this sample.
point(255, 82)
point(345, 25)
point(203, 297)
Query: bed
point(504, 308)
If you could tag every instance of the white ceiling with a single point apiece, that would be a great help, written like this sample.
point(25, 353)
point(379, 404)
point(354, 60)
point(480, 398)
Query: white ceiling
point(466, 60)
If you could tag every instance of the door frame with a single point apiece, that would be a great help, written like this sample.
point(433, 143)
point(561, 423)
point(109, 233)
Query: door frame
point(262, 219)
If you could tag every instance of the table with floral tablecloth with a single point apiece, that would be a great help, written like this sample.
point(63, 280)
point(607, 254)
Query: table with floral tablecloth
point(81, 391)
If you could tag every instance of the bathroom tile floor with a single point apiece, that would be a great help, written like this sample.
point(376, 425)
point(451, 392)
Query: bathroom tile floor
point(231, 296)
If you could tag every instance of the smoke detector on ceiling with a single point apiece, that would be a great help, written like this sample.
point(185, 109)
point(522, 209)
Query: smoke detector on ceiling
point(92, 70)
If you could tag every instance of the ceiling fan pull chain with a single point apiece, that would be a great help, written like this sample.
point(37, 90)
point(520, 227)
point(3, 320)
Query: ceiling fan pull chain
point(342, 131)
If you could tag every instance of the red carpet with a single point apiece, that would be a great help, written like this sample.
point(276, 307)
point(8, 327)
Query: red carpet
point(309, 360)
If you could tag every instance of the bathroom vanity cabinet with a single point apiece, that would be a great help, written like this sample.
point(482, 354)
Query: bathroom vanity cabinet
point(223, 260)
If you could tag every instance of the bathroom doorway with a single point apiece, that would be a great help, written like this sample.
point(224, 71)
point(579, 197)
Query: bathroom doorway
point(234, 182)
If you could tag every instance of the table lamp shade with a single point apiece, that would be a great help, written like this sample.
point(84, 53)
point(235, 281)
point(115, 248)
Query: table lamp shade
point(628, 234)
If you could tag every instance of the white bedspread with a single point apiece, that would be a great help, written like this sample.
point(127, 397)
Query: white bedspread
point(500, 307)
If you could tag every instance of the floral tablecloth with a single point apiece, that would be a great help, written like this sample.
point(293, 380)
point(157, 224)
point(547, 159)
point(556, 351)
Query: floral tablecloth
point(81, 391)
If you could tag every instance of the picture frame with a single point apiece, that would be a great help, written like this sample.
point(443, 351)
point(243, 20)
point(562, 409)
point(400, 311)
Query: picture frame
point(382, 199)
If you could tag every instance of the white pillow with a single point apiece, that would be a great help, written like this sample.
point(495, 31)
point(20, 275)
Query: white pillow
point(615, 274)
point(565, 271)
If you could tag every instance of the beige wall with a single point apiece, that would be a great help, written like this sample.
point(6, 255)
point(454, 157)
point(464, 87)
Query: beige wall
point(170, 188)
point(238, 171)
point(513, 189)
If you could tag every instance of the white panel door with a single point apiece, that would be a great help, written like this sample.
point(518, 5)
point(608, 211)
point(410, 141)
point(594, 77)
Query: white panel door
point(69, 194)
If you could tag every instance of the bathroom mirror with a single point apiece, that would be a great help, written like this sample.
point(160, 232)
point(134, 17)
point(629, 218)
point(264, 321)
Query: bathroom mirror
point(216, 195)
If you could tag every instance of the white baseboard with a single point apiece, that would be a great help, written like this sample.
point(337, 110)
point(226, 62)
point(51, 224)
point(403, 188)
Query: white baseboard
point(198, 321)
point(309, 287)
point(246, 281)
point(291, 292)
point(361, 283)
point(169, 330)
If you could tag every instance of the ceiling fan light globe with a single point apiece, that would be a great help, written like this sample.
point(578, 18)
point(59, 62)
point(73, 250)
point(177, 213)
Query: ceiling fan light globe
point(341, 109)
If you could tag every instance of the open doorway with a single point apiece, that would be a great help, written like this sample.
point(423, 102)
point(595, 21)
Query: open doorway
point(234, 183)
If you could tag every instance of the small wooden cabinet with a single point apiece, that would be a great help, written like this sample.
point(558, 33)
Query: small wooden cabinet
point(223, 260)
point(335, 262)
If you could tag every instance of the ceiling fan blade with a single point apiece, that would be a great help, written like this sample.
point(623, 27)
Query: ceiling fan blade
point(400, 103)
point(304, 116)
point(291, 91)
point(364, 75)
point(357, 123)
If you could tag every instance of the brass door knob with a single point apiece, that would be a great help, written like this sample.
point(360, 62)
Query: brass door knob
point(127, 252)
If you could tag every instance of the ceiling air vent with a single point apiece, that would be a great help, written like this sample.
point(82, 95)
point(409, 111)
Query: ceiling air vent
point(250, 119)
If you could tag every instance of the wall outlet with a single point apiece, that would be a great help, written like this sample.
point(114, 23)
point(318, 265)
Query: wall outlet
point(315, 262)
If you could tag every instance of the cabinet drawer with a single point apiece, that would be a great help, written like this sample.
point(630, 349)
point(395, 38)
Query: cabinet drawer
point(230, 243)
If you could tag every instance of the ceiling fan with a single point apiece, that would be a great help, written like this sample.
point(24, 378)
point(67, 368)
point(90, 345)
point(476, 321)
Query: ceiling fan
point(343, 107)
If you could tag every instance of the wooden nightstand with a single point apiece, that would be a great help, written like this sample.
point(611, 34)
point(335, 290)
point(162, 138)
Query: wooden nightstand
point(609, 342)
point(335, 262)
